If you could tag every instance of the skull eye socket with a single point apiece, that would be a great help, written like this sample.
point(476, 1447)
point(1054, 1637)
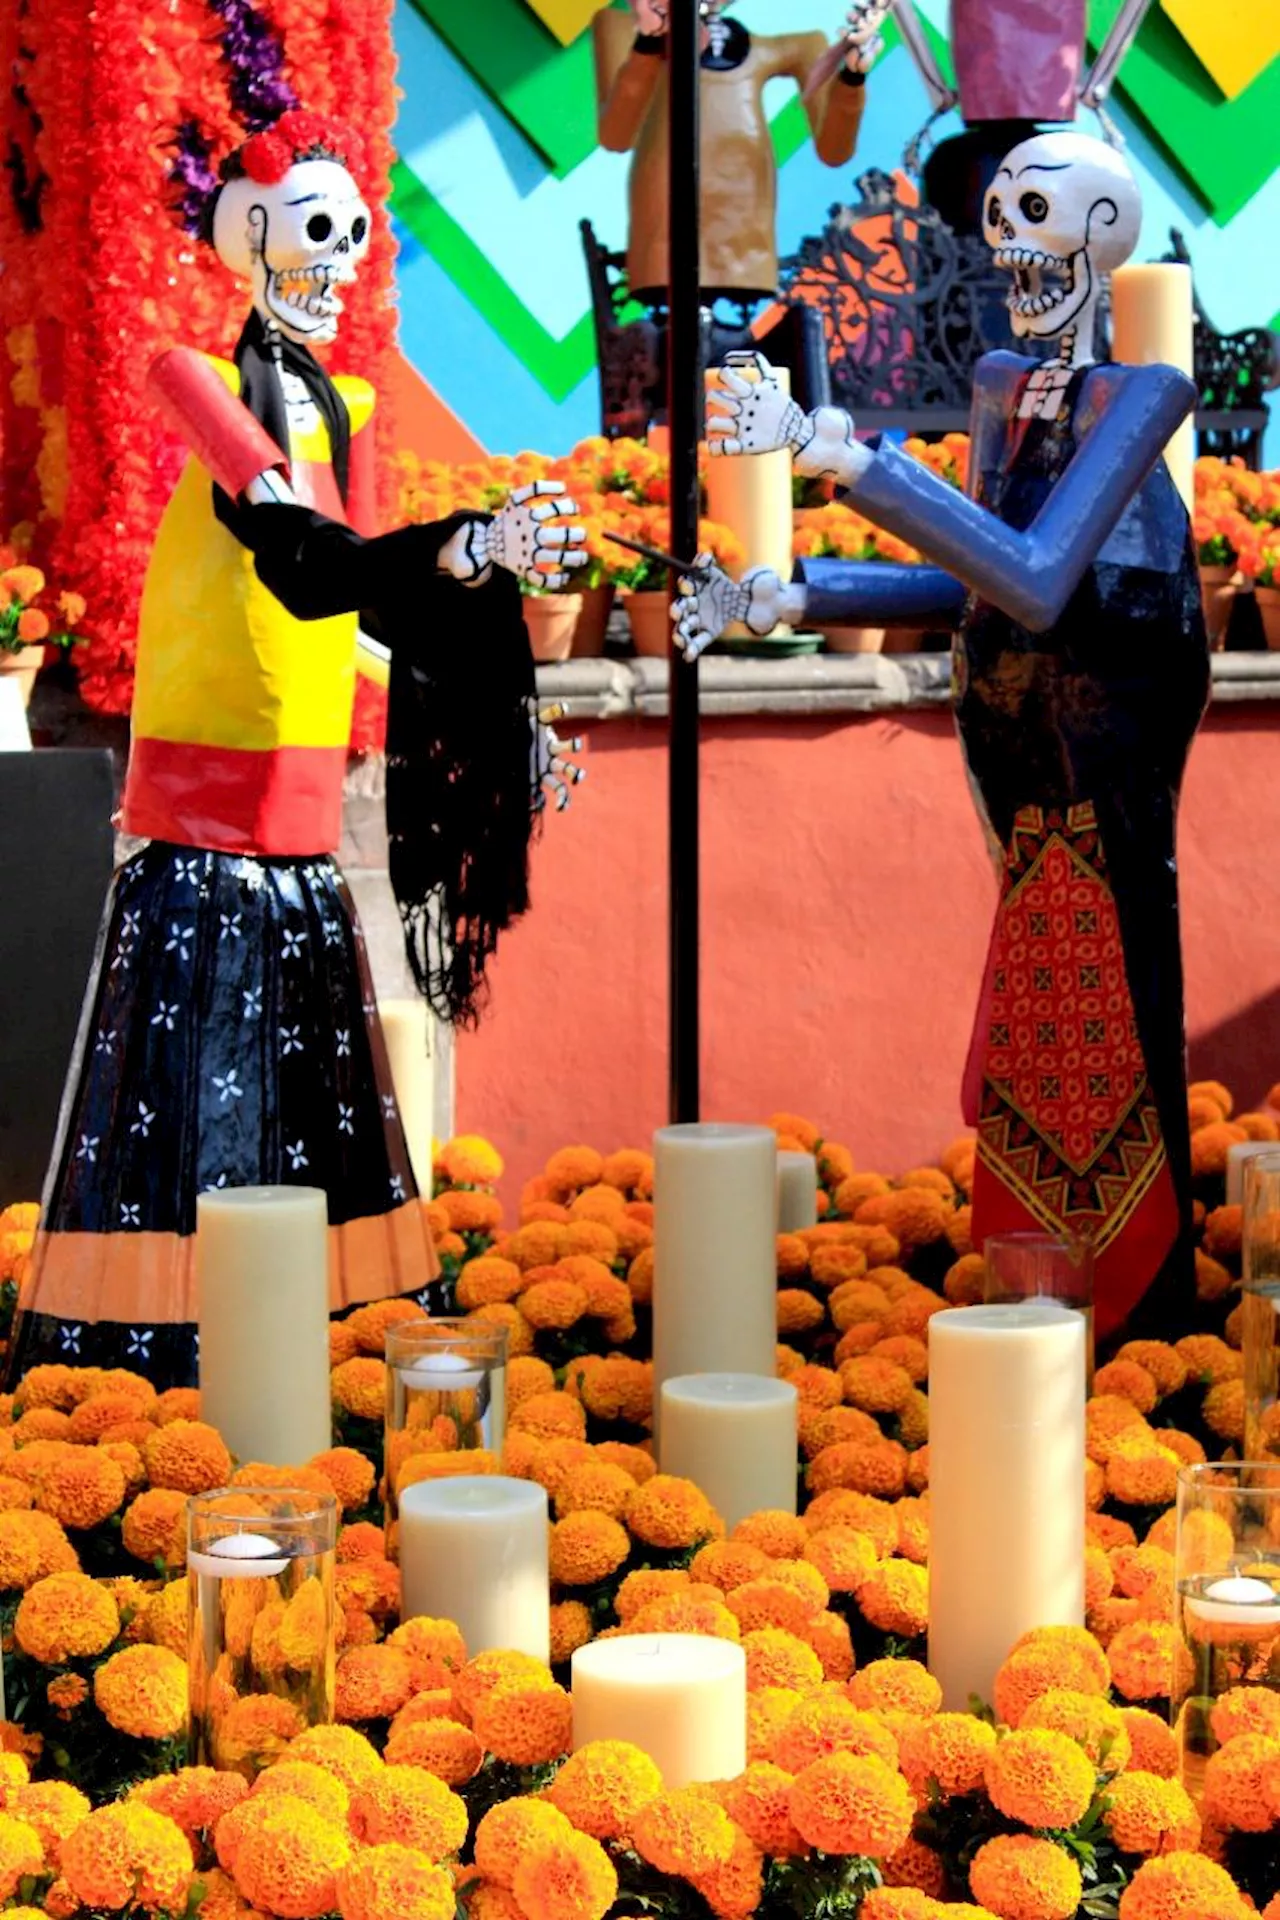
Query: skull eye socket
point(319, 227)
point(1034, 207)
point(359, 229)
point(993, 211)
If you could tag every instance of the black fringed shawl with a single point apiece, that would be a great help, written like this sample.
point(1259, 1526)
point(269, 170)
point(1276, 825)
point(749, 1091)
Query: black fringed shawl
point(462, 796)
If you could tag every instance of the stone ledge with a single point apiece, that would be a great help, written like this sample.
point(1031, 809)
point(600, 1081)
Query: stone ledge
point(820, 683)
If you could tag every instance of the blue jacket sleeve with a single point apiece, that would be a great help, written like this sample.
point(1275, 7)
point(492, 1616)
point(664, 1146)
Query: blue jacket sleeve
point(875, 593)
point(1127, 413)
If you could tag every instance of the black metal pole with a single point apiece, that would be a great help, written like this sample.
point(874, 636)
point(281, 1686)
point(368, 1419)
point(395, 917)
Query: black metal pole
point(685, 409)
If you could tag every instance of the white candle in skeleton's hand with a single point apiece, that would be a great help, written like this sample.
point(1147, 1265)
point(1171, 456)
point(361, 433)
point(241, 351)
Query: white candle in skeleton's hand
point(441, 1373)
point(240, 1556)
point(1238, 1598)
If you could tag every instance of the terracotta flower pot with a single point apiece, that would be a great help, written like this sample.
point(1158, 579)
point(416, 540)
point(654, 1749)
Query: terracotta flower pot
point(650, 617)
point(1268, 599)
point(854, 639)
point(903, 639)
point(552, 619)
point(25, 664)
point(593, 622)
point(1216, 597)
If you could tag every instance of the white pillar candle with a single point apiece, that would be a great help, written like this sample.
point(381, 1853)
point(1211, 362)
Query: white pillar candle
point(753, 497)
point(680, 1697)
point(406, 1030)
point(1006, 1472)
point(1238, 1158)
point(1153, 323)
point(715, 1278)
point(735, 1435)
point(262, 1278)
point(797, 1192)
point(474, 1550)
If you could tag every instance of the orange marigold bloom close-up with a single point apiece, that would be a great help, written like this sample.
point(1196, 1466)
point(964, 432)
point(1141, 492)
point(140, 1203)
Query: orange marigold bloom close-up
point(586, 1548)
point(403, 1803)
point(66, 1616)
point(565, 1876)
point(682, 1832)
point(1149, 1815)
point(188, 1455)
point(525, 1726)
point(82, 1490)
point(1019, 1877)
point(1182, 1884)
point(126, 1854)
point(602, 1787)
point(394, 1882)
point(142, 1692)
point(852, 1803)
point(1040, 1778)
point(510, 1831)
point(670, 1512)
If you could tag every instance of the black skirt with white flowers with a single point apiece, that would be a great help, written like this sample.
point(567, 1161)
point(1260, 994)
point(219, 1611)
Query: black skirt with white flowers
point(229, 1038)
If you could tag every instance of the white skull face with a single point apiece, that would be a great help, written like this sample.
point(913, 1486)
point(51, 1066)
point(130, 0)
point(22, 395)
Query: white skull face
point(1062, 210)
point(297, 241)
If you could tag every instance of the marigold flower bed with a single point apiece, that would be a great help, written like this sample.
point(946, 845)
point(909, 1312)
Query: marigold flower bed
point(446, 1785)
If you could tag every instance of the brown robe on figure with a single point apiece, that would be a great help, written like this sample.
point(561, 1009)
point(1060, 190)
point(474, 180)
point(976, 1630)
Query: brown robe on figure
point(739, 175)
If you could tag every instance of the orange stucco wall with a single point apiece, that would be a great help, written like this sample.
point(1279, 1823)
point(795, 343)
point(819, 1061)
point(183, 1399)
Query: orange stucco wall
point(846, 904)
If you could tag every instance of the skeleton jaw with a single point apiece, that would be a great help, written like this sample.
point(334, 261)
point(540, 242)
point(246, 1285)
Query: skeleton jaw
point(1050, 291)
point(303, 301)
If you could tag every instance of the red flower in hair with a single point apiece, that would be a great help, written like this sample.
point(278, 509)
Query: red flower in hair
point(297, 135)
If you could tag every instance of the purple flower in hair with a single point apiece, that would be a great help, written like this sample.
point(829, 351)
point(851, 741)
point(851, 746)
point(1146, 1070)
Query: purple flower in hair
point(259, 95)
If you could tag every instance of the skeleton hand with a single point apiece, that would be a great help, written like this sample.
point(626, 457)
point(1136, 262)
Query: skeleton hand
point(549, 770)
point(651, 16)
point(756, 416)
point(711, 602)
point(523, 538)
point(862, 30)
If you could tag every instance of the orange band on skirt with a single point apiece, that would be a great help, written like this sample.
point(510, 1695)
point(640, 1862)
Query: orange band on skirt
point(149, 1278)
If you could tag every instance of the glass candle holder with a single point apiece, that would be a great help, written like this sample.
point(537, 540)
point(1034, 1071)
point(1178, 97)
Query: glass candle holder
point(262, 1632)
point(446, 1393)
point(1227, 1574)
point(1260, 1302)
point(1040, 1266)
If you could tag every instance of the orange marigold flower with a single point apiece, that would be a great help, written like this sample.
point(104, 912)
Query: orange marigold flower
point(565, 1876)
point(362, 1540)
point(876, 1467)
point(895, 1686)
point(394, 1882)
point(188, 1455)
point(19, 1551)
point(304, 1780)
point(768, 1710)
point(195, 1797)
point(349, 1474)
point(1147, 1814)
point(341, 1751)
point(770, 1602)
point(916, 1866)
point(949, 1748)
point(1033, 1669)
point(45, 1386)
point(488, 1281)
point(571, 1628)
point(876, 1384)
point(1088, 1719)
point(798, 1311)
point(55, 1809)
point(373, 1683)
point(406, 1804)
point(852, 1803)
point(1162, 1361)
point(1149, 1661)
point(66, 1693)
point(727, 1564)
point(64, 1617)
point(586, 1548)
point(682, 1832)
point(510, 1832)
point(1223, 1409)
point(1209, 1359)
point(1153, 1745)
point(82, 1490)
point(776, 1658)
point(1178, 1884)
point(1245, 1710)
point(436, 1648)
point(1106, 1418)
point(595, 1487)
point(900, 1903)
point(778, 1535)
point(1234, 1792)
point(126, 1855)
point(1040, 1778)
point(845, 1507)
point(694, 1610)
point(526, 1376)
point(527, 1726)
point(440, 1746)
point(759, 1801)
point(1022, 1878)
point(470, 1161)
point(895, 1598)
point(288, 1858)
point(733, 1890)
point(603, 1786)
point(142, 1692)
point(830, 1723)
point(647, 1584)
point(1210, 1146)
point(1223, 1230)
point(359, 1387)
point(1129, 1381)
point(629, 1170)
point(670, 1512)
point(499, 1667)
point(550, 1416)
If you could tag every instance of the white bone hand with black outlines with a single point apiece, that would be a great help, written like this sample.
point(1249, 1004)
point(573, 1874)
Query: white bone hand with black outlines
point(862, 30)
point(758, 416)
point(552, 772)
point(710, 603)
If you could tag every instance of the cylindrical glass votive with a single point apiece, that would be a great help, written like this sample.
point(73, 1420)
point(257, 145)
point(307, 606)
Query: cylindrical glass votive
point(1042, 1266)
point(475, 1551)
point(262, 1633)
point(1260, 1301)
point(1227, 1575)
point(446, 1387)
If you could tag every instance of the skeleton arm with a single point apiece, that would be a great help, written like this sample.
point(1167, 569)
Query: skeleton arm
point(1031, 575)
point(833, 95)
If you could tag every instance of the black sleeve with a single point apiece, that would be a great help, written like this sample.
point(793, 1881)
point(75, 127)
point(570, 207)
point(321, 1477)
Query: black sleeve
point(317, 568)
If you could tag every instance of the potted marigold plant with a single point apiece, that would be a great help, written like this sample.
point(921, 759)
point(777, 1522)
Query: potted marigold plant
point(836, 532)
point(609, 480)
point(1220, 528)
point(1259, 560)
point(28, 623)
point(645, 585)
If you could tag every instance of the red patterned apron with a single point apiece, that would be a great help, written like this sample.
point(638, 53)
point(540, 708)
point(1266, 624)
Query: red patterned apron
point(1069, 1137)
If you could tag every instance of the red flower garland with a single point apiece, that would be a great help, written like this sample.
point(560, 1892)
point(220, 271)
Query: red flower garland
point(111, 280)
